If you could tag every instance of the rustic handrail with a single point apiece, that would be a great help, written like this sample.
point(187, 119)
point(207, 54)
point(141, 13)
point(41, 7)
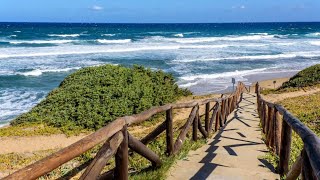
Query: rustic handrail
point(116, 131)
point(270, 115)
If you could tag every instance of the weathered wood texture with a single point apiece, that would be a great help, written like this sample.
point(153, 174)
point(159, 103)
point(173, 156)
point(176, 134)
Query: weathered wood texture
point(183, 133)
point(278, 136)
point(206, 119)
point(295, 170)
point(277, 131)
point(105, 153)
point(121, 170)
point(53, 161)
point(195, 126)
point(169, 132)
point(144, 151)
point(151, 136)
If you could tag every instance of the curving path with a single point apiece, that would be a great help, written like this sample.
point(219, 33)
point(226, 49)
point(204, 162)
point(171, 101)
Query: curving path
point(235, 152)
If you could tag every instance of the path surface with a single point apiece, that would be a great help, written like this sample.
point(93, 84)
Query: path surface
point(234, 152)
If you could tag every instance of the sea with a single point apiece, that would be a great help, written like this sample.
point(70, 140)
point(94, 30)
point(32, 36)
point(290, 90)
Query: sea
point(36, 57)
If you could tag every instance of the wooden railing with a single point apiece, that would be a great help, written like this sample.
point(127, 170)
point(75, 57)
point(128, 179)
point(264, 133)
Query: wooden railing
point(118, 140)
point(277, 124)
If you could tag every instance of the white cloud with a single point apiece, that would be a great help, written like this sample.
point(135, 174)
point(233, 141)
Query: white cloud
point(239, 7)
point(96, 8)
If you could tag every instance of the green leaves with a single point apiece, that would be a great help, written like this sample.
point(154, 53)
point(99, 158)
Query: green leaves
point(307, 77)
point(94, 96)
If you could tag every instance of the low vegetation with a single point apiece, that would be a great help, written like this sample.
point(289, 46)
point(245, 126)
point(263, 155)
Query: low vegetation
point(306, 79)
point(92, 97)
point(306, 109)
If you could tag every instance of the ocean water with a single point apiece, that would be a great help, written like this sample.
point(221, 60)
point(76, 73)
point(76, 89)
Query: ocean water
point(36, 57)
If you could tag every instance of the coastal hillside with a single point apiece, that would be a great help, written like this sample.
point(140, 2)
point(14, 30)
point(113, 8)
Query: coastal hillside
point(92, 97)
point(307, 77)
point(306, 81)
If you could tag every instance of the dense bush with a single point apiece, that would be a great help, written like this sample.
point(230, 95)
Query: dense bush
point(307, 77)
point(94, 96)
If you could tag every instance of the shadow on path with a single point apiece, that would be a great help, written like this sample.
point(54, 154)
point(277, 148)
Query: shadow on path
point(208, 166)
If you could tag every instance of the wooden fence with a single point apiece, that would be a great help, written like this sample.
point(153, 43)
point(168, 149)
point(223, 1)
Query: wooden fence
point(277, 124)
point(117, 139)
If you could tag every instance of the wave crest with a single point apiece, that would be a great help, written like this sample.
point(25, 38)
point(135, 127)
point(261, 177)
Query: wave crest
point(64, 35)
point(42, 42)
point(39, 72)
point(117, 41)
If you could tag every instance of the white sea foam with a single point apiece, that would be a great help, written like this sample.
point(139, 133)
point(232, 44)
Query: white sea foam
point(39, 72)
point(226, 38)
point(14, 102)
point(108, 34)
point(316, 43)
point(13, 35)
point(86, 50)
point(265, 34)
point(207, 39)
point(222, 75)
point(17, 31)
point(204, 46)
point(214, 46)
point(178, 35)
point(117, 41)
point(42, 42)
point(285, 43)
point(316, 34)
point(188, 84)
point(256, 57)
point(64, 35)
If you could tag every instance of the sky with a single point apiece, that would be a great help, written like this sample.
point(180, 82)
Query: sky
point(159, 11)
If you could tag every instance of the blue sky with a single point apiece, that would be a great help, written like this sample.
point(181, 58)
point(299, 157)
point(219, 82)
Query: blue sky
point(159, 11)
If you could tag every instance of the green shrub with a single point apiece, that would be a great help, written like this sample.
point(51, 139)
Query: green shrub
point(307, 77)
point(94, 96)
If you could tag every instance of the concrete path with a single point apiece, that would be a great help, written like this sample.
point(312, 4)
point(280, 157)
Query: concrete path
point(235, 152)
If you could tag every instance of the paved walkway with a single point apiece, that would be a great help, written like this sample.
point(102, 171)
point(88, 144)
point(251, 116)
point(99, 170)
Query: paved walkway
point(235, 152)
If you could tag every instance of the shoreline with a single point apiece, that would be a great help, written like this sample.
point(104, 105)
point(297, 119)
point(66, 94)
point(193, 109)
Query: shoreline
point(265, 80)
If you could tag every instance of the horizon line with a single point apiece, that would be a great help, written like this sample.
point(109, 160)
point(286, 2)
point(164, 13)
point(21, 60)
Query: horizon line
point(244, 22)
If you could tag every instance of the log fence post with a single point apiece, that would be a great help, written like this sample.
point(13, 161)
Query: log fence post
point(121, 157)
point(169, 131)
point(286, 134)
point(262, 116)
point(195, 126)
point(277, 130)
point(266, 119)
point(270, 135)
point(206, 119)
point(225, 111)
point(217, 124)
